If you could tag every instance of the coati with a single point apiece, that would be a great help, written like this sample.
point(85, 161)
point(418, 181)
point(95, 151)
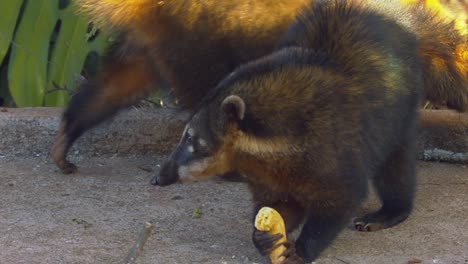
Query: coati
point(193, 44)
point(334, 105)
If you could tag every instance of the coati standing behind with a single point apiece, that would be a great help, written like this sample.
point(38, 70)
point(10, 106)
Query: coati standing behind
point(335, 105)
point(193, 44)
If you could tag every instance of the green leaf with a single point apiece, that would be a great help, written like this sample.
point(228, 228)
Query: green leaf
point(197, 213)
point(49, 51)
point(69, 55)
point(4, 91)
point(27, 75)
point(9, 13)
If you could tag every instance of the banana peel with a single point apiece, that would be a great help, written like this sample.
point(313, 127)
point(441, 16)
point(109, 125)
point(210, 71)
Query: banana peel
point(269, 220)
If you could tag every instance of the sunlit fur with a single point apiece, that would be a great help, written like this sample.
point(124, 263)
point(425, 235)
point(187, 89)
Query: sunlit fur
point(458, 11)
point(153, 23)
point(146, 17)
point(119, 13)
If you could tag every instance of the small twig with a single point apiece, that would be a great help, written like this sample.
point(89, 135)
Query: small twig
point(145, 168)
point(159, 104)
point(446, 183)
point(427, 105)
point(340, 260)
point(430, 183)
point(58, 88)
point(137, 248)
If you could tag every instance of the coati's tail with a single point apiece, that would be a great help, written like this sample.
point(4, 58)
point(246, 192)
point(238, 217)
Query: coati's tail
point(446, 68)
point(444, 53)
point(460, 16)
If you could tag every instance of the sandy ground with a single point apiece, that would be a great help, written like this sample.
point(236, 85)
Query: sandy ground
point(96, 215)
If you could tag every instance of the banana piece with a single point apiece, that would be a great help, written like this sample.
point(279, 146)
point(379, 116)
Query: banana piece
point(269, 220)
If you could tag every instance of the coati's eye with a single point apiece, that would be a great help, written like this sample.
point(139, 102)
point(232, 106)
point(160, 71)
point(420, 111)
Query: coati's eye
point(189, 139)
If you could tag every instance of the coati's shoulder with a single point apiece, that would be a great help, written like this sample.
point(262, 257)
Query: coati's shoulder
point(339, 56)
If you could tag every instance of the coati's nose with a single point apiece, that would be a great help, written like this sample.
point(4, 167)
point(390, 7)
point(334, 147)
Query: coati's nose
point(167, 175)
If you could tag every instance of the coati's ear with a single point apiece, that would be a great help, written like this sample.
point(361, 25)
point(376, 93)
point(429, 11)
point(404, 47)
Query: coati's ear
point(234, 107)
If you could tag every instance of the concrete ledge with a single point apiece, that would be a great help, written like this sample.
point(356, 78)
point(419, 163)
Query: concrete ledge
point(443, 136)
point(31, 131)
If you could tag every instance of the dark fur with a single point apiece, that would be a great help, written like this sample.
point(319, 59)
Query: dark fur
point(158, 43)
point(334, 106)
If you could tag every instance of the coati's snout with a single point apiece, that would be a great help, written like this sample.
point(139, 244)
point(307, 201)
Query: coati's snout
point(181, 156)
point(167, 175)
point(199, 155)
point(189, 153)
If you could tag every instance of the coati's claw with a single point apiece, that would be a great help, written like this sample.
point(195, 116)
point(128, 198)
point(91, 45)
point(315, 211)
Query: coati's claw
point(265, 242)
point(379, 220)
point(359, 226)
point(365, 227)
point(68, 167)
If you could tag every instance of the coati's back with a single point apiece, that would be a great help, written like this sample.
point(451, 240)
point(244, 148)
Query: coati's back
point(196, 42)
point(344, 76)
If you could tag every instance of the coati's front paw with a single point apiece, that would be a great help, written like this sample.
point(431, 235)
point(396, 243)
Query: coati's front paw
point(67, 167)
point(264, 242)
point(64, 165)
point(380, 220)
point(290, 255)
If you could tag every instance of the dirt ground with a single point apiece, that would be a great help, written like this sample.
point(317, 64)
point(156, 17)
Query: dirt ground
point(96, 215)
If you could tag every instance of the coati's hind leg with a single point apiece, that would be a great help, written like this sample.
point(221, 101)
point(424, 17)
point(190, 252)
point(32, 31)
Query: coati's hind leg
point(125, 80)
point(395, 185)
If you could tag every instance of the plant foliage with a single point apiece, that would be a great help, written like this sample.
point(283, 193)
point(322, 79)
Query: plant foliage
point(43, 47)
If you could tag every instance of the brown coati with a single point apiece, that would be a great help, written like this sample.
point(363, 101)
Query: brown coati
point(335, 105)
point(193, 44)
